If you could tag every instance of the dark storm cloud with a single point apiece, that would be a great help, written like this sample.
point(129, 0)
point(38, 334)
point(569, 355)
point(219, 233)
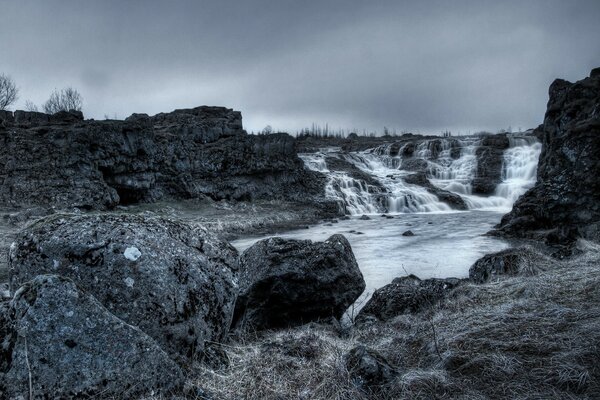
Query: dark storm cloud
point(422, 66)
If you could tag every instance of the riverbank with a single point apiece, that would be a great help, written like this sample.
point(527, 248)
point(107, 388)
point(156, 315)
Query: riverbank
point(519, 337)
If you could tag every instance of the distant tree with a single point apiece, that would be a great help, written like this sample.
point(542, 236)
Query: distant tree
point(267, 130)
point(9, 93)
point(66, 100)
point(30, 106)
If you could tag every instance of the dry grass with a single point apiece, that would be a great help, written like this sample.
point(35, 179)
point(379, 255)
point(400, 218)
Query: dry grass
point(527, 337)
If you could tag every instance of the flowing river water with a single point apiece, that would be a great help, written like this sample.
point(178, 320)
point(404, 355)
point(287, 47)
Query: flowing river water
point(445, 242)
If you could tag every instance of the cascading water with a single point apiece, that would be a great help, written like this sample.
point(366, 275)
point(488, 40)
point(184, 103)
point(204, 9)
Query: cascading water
point(450, 165)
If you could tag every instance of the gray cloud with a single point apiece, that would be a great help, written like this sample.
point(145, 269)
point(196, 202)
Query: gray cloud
point(420, 66)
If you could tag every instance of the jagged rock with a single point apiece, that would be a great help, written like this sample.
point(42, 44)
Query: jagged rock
point(519, 261)
point(339, 164)
point(488, 173)
point(408, 233)
point(173, 281)
point(452, 199)
point(566, 196)
point(63, 161)
point(291, 282)
point(70, 346)
point(368, 369)
point(407, 294)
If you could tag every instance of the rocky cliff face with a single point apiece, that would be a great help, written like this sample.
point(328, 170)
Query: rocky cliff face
point(65, 161)
point(565, 202)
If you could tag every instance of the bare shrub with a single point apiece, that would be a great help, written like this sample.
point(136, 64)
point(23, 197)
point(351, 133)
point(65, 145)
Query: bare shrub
point(67, 99)
point(9, 93)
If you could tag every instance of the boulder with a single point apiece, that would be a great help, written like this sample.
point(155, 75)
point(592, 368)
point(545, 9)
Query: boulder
point(408, 233)
point(291, 282)
point(452, 199)
point(407, 294)
point(65, 344)
point(510, 262)
point(175, 282)
point(490, 155)
point(566, 196)
point(368, 369)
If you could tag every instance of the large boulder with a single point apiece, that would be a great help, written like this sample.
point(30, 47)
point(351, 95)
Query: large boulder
point(291, 282)
point(60, 342)
point(566, 196)
point(490, 156)
point(509, 262)
point(407, 294)
point(175, 282)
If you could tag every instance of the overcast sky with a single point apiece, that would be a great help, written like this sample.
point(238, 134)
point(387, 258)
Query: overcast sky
point(420, 66)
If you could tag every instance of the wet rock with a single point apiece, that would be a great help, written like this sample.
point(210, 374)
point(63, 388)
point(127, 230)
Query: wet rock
point(73, 347)
point(364, 217)
point(452, 199)
point(173, 281)
point(408, 233)
point(509, 262)
point(566, 196)
point(368, 369)
point(407, 294)
point(490, 155)
point(291, 282)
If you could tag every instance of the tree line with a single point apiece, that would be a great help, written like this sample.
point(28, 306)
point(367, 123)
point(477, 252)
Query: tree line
point(67, 99)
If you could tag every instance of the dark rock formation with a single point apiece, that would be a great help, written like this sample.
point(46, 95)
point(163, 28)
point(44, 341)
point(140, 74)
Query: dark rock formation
point(408, 233)
point(566, 197)
point(174, 282)
point(519, 261)
point(407, 294)
point(452, 199)
point(368, 369)
point(341, 165)
point(65, 161)
point(291, 282)
point(488, 173)
point(70, 346)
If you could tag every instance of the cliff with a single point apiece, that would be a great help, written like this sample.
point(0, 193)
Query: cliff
point(64, 161)
point(565, 202)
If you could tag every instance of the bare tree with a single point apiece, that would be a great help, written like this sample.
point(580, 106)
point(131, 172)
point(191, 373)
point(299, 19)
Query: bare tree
point(66, 100)
point(267, 130)
point(8, 91)
point(30, 106)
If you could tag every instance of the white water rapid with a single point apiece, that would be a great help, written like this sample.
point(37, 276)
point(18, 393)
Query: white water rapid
point(450, 164)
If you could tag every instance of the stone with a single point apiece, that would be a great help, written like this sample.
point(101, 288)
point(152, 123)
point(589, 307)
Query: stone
point(408, 233)
point(291, 282)
point(368, 369)
point(565, 201)
point(509, 262)
point(70, 346)
point(407, 294)
point(175, 282)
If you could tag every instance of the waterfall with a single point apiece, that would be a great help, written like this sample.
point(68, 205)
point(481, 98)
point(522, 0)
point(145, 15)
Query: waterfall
point(450, 164)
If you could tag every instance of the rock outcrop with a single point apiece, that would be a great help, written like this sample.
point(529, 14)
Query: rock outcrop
point(291, 282)
point(488, 173)
point(61, 342)
point(452, 199)
point(407, 294)
point(175, 282)
point(565, 202)
point(65, 161)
